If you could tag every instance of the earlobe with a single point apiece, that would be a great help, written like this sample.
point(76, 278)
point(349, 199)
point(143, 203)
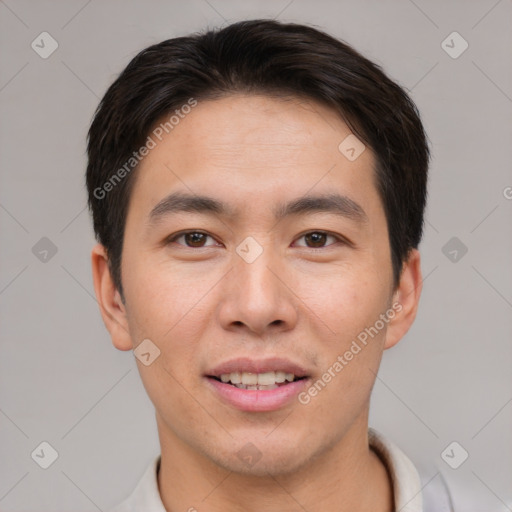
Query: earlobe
point(109, 300)
point(405, 299)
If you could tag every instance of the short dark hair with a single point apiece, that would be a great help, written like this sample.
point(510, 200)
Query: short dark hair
point(260, 57)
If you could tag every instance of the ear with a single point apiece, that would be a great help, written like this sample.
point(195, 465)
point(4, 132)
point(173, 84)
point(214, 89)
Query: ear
point(113, 311)
point(405, 299)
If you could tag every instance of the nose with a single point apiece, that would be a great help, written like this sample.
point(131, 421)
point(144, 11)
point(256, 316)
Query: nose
point(257, 297)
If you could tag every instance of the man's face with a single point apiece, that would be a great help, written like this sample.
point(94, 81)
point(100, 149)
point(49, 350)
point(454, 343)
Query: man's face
point(252, 291)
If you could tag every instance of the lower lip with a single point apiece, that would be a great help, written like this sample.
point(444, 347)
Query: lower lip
point(256, 400)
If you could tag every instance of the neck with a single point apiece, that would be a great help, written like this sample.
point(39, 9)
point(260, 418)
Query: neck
point(348, 476)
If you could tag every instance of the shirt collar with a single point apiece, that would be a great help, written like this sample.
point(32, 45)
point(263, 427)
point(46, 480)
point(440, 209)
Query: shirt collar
point(406, 481)
point(404, 476)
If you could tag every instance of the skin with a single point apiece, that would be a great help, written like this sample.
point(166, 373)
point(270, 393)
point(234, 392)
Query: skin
point(203, 306)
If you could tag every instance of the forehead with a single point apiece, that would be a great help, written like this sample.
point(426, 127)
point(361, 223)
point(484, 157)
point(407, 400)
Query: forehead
point(258, 147)
point(258, 127)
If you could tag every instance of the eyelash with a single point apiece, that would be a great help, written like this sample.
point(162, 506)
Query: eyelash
point(339, 239)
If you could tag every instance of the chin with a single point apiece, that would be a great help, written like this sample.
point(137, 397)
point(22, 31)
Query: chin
point(267, 466)
point(263, 457)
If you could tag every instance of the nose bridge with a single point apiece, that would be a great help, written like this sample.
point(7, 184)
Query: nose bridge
point(253, 262)
point(258, 297)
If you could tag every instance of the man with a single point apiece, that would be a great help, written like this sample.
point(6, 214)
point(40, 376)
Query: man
point(258, 195)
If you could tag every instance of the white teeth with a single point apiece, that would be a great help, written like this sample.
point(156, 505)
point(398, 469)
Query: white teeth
point(266, 379)
point(243, 386)
point(236, 378)
point(280, 377)
point(247, 380)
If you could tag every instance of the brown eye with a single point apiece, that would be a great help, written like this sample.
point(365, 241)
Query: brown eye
point(193, 239)
point(317, 239)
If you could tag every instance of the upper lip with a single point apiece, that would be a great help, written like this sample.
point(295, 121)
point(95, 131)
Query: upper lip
point(250, 365)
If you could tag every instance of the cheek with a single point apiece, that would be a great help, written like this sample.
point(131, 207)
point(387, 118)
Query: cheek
point(352, 357)
point(161, 298)
point(165, 310)
point(346, 303)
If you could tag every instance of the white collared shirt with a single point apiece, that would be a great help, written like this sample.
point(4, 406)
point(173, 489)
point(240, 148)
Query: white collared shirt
point(411, 492)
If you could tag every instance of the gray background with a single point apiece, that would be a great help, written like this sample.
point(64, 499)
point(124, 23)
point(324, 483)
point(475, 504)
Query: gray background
point(62, 381)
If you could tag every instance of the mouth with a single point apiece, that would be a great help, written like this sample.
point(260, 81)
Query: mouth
point(257, 386)
point(257, 381)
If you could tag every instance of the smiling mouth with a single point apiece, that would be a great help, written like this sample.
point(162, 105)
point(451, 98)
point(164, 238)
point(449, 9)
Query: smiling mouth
point(257, 381)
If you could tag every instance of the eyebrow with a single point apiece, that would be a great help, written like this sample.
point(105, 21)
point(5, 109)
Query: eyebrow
point(336, 204)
